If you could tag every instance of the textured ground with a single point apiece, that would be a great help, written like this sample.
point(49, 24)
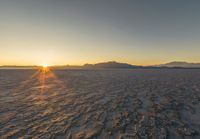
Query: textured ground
point(129, 104)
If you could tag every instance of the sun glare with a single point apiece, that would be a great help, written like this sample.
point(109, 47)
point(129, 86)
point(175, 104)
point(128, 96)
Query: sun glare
point(44, 65)
point(45, 68)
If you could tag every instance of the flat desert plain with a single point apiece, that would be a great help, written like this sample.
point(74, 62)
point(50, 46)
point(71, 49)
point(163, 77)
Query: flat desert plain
point(100, 104)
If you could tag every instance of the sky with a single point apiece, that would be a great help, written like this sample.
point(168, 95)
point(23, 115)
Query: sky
point(75, 32)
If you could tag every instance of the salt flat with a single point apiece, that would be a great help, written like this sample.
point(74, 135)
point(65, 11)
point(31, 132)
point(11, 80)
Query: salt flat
point(102, 104)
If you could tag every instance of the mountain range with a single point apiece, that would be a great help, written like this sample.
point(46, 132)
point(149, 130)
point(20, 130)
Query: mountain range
point(110, 64)
point(114, 65)
point(181, 64)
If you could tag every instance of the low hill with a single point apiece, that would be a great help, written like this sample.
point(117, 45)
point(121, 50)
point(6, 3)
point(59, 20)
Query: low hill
point(181, 64)
point(110, 64)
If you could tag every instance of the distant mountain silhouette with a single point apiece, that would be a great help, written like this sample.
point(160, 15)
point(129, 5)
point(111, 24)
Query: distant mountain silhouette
point(110, 64)
point(181, 64)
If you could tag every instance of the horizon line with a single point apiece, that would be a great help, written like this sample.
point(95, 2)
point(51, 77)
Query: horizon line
point(57, 65)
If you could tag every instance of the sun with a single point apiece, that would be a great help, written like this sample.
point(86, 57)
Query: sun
point(45, 65)
point(45, 68)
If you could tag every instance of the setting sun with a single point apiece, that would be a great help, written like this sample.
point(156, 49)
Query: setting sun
point(44, 65)
point(45, 68)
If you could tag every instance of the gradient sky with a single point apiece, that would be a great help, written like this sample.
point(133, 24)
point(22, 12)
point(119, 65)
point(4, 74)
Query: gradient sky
point(57, 32)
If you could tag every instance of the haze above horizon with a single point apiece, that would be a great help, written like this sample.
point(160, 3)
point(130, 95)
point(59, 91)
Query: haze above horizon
point(91, 31)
